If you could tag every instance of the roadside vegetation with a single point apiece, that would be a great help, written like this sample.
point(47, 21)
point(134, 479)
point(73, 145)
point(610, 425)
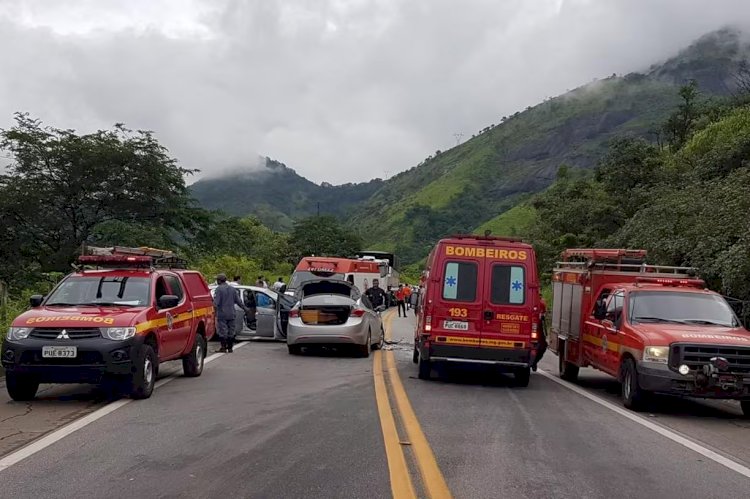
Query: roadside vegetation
point(63, 190)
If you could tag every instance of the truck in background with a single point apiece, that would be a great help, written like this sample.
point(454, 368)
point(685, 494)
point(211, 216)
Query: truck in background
point(358, 272)
point(657, 329)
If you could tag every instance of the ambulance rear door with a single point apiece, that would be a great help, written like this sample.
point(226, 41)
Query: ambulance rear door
point(508, 305)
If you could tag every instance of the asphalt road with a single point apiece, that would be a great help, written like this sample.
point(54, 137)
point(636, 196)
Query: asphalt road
point(261, 423)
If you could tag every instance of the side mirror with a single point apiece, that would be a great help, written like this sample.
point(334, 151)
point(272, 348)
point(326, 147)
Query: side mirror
point(36, 301)
point(168, 301)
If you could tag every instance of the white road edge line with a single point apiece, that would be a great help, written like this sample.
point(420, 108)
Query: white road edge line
point(675, 437)
point(49, 439)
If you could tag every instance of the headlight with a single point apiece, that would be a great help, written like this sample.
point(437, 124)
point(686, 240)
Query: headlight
point(118, 333)
point(656, 354)
point(18, 333)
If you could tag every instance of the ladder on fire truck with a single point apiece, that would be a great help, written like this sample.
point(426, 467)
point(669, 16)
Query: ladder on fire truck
point(617, 260)
point(123, 256)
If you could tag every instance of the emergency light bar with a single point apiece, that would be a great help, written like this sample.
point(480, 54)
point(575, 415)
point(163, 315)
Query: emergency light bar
point(116, 260)
point(693, 283)
point(487, 238)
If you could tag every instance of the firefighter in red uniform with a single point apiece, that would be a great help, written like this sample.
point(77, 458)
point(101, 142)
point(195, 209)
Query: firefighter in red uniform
point(542, 346)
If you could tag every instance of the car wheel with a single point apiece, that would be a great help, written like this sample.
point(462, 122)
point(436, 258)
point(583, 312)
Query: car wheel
point(364, 350)
point(745, 404)
point(522, 376)
point(381, 342)
point(21, 388)
point(633, 397)
point(568, 371)
point(425, 368)
point(192, 364)
point(143, 379)
point(294, 349)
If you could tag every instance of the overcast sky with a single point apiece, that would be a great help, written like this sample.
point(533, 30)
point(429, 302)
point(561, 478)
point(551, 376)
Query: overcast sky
point(340, 90)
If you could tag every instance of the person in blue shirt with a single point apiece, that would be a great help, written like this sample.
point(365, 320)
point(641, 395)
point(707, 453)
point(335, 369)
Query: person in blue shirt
point(225, 298)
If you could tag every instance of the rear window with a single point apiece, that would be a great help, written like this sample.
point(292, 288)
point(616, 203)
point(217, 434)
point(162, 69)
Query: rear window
point(508, 285)
point(195, 283)
point(460, 281)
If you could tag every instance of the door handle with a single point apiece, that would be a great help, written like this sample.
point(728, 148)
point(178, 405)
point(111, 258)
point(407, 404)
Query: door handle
point(488, 315)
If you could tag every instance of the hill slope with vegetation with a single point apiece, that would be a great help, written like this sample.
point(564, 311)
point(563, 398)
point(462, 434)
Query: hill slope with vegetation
point(467, 187)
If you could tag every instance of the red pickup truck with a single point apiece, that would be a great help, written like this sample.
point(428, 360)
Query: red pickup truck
point(116, 322)
point(657, 329)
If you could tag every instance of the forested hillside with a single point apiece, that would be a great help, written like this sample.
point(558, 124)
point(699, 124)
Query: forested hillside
point(278, 196)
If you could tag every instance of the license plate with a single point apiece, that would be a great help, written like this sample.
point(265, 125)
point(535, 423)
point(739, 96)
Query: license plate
point(59, 352)
point(456, 325)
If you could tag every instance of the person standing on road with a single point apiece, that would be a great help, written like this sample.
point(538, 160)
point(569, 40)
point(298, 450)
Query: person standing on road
point(237, 280)
point(542, 347)
point(401, 299)
point(225, 298)
point(278, 284)
point(407, 296)
point(376, 294)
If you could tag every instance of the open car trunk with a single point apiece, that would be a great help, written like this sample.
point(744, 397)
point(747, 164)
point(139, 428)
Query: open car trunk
point(330, 310)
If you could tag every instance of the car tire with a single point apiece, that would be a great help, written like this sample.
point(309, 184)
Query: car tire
point(415, 355)
point(192, 364)
point(633, 396)
point(424, 368)
point(142, 381)
point(381, 342)
point(363, 351)
point(745, 405)
point(522, 376)
point(568, 371)
point(294, 349)
point(21, 388)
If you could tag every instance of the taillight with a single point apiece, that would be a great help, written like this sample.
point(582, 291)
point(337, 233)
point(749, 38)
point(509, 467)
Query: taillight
point(428, 323)
point(534, 329)
point(357, 312)
point(534, 335)
point(294, 313)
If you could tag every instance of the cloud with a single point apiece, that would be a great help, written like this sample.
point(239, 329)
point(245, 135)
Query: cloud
point(340, 90)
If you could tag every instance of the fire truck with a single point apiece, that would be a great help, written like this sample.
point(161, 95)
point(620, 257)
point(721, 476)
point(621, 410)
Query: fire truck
point(658, 329)
point(121, 313)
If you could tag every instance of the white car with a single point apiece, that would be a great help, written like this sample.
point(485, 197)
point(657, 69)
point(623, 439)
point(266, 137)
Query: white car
point(333, 312)
point(271, 313)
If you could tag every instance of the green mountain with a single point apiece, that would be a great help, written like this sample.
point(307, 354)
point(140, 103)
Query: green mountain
point(278, 196)
point(471, 186)
point(482, 183)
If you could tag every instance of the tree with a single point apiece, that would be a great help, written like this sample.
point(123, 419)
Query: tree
point(679, 125)
point(322, 236)
point(61, 187)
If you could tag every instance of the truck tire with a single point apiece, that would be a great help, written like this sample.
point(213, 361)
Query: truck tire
point(192, 364)
point(294, 349)
point(522, 376)
point(633, 397)
point(415, 355)
point(424, 368)
point(745, 404)
point(143, 379)
point(568, 371)
point(21, 388)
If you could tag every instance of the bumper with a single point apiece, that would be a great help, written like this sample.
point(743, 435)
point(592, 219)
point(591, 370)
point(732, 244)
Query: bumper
point(660, 379)
point(95, 358)
point(502, 357)
point(303, 334)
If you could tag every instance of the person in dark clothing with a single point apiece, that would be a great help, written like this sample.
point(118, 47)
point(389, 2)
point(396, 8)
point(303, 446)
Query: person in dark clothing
point(542, 346)
point(225, 298)
point(376, 294)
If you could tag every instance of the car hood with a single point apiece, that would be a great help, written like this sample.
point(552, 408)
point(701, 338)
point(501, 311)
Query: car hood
point(664, 334)
point(78, 317)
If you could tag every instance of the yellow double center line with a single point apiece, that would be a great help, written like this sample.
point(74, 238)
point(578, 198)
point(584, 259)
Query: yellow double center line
point(401, 482)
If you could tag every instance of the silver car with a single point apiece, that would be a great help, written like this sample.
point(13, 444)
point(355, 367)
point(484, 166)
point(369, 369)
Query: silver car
point(333, 312)
point(271, 313)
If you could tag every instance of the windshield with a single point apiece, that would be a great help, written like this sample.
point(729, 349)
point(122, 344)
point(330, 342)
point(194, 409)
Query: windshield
point(682, 308)
point(105, 290)
point(301, 276)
